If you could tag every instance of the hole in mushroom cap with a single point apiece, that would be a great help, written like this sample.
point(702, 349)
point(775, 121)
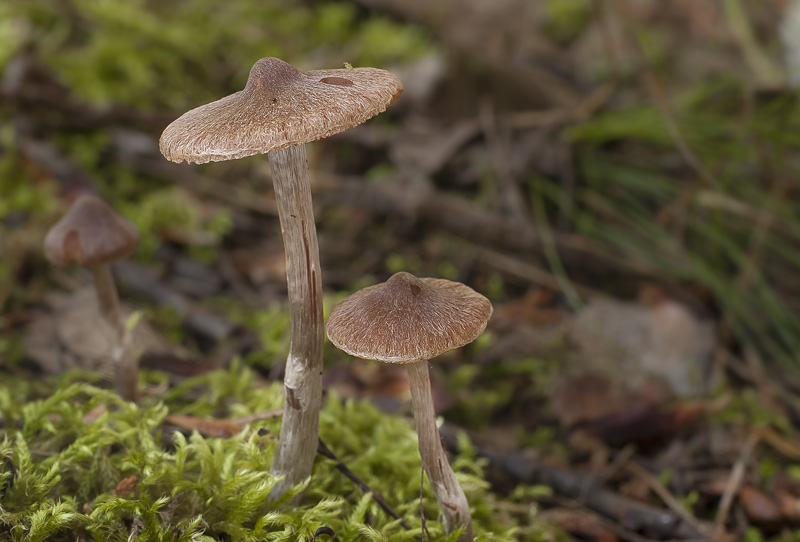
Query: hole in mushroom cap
point(340, 81)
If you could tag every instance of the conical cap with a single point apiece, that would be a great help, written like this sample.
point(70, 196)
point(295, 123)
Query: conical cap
point(280, 106)
point(408, 319)
point(90, 233)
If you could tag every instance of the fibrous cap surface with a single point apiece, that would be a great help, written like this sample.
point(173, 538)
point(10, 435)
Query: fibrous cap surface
point(408, 319)
point(90, 233)
point(280, 106)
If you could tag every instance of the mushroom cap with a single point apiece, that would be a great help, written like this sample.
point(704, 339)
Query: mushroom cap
point(408, 319)
point(280, 106)
point(90, 233)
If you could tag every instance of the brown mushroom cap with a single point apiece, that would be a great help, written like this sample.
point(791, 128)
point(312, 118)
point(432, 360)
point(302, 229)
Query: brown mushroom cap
point(408, 319)
point(280, 106)
point(90, 233)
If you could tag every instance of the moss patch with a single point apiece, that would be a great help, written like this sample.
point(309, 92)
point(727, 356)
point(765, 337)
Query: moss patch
point(83, 465)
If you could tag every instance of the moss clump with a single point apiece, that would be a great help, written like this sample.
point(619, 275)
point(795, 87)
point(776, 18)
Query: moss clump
point(83, 465)
point(175, 214)
point(155, 55)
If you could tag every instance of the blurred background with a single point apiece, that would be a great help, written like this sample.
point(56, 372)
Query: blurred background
point(619, 177)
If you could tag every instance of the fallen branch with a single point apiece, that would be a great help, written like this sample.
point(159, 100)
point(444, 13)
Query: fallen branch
point(663, 493)
point(637, 517)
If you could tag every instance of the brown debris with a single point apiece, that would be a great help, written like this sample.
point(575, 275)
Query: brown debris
point(126, 487)
point(580, 523)
point(206, 427)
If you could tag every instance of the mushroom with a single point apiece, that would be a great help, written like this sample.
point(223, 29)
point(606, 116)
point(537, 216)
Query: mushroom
point(410, 320)
point(93, 235)
point(280, 109)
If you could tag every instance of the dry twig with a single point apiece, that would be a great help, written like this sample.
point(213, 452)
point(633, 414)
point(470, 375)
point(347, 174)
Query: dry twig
point(734, 482)
point(663, 493)
point(323, 450)
point(631, 515)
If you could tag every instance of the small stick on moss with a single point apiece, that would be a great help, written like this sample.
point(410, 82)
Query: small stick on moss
point(323, 450)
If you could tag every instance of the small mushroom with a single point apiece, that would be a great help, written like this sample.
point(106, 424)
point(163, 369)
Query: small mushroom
point(93, 235)
point(280, 109)
point(410, 320)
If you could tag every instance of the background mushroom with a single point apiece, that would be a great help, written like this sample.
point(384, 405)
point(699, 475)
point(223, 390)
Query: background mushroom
point(92, 234)
point(280, 109)
point(410, 320)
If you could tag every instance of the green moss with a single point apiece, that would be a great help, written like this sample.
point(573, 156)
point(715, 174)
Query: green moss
point(176, 214)
point(566, 18)
point(398, 262)
point(158, 55)
point(19, 192)
point(59, 469)
point(167, 321)
point(271, 325)
point(11, 348)
point(747, 408)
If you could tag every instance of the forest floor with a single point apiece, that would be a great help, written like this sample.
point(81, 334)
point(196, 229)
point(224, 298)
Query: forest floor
point(617, 177)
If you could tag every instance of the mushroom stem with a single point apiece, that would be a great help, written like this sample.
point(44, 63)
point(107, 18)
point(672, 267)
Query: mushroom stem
point(126, 364)
point(449, 494)
point(297, 445)
point(108, 298)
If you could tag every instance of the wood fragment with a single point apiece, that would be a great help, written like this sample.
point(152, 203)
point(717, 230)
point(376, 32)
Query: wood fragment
point(637, 517)
point(663, 493)
point(734, 482)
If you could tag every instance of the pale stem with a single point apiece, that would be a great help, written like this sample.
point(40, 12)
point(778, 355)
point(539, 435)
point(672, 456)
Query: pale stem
point(297, 444)
point(449, 494)
point(126, 363)
point(108, 298)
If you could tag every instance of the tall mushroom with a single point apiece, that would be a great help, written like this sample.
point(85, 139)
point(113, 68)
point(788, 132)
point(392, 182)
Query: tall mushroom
point(92, 234)
point(280, 109)
point(410, 320)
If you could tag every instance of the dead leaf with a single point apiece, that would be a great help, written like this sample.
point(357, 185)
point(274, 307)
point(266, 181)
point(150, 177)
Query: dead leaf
point(580, 523)
point(759, 507)
point(94, 414)
point(126, 487)
point(789, 505)
point(648, 425)
point(590, 396)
